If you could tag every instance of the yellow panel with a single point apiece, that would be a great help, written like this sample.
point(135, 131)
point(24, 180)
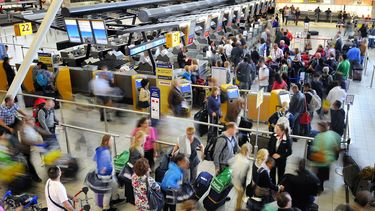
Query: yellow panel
point(164, 74)
point(22, 29)
point(264, 108)
point(274, 101)
point(3, 78)
point(63, 83)
point(28, 83)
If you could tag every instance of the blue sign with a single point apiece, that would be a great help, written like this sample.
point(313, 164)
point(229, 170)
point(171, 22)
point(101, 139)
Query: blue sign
point(155, 102)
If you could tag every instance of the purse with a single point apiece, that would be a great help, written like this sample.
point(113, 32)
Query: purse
point(155, 198)
point(305, 118)
point(319, 156)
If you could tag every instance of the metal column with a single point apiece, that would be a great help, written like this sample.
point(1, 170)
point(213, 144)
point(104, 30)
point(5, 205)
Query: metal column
point(35, 45)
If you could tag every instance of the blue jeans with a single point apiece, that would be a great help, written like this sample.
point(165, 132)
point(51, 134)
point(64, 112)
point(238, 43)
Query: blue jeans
point(371, 43)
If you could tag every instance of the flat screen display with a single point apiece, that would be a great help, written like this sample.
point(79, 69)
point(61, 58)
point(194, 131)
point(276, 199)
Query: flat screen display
point(284, 97)
point(185, 88)
point(86, 31)
point(73, 31)
point(100, 32)
point(144, 47)
point(233, 93)
point(138, 83)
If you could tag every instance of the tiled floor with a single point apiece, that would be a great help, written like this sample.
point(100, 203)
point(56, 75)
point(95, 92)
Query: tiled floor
point(82, 144)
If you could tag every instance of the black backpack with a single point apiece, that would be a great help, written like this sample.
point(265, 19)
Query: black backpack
point(210, 149)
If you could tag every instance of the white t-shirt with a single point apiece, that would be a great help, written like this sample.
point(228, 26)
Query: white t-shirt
point(264, 72)
point(57, 193)
point(100, 86)
point(228, 49)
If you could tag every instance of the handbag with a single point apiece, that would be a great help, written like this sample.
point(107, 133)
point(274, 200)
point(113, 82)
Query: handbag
point(155, 198)
point(305, 118)
point(319, 156)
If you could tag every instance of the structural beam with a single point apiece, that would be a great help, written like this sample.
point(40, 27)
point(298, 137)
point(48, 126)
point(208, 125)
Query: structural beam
point(35, 45)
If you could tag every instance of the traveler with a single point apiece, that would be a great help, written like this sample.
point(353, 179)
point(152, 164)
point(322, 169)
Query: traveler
point(337, 93)
point(104, 171)
point(338, 44)
point(284, 201)
point(214, 105)
point(100, 87)
point(141, 182)
point(276, 53)
point(363, 31)
point(47, 118)
point(10, 74)
point(327, 81)
point(282, 116)
point(279, 83)
point(187, 74)
point(240, 165)
point(174, 177)
point(175, 99)
point(303, 186)
point(264, 184)
point(36, 69)
point(245, 72)
point(328, 14)
point(354, 55)
point(363, 49)
point(182, 58)
point(371, 39)
point(261, 158)
point(317, 13)
point(362, 202)
point(309, 95)
point(337, 118)
point(228, 48)
point(280, 148)
point(144, 94)
point(188, 145)
point(8, 112)
point(30, 136)
point(226, 147)
point(297, 14)
point(55, 192)
point(263, 49)
point(283, 46)
point(144, 125)
point(286, 40)
point(264, 74)
point(44, 79)
point(136, 150)
point(324, 151)
point(236, 54)
point(343, 68)
point(296, 107)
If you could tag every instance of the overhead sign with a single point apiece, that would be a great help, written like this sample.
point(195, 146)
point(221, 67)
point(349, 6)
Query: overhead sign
point(172, 39)
point(164, 76)
point(219, 26)
point(144, 47)
point(230, 17)
point(207, 26)
point(191, 33)
point(22, 29)
point(260, 97)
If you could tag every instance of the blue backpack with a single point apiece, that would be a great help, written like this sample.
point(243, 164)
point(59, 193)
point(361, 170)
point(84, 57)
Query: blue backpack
point(41, 79)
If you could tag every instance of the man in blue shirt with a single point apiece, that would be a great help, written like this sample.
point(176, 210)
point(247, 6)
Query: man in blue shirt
point(354, 55)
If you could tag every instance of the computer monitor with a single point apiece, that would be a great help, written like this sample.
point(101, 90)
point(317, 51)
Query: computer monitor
point(233, 93)
point(284, 97)
point(86, 31)
point(100, 32)
point(138, 83)
point(185, 88)
point(73, 31)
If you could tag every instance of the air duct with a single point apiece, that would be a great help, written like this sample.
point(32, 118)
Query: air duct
point(106, 7)
point(154, 13)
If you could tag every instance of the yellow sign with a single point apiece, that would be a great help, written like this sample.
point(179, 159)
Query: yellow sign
point(22, 29)
point(46, 58)
point(260, 97)
point(173, 39)
point(164, 76)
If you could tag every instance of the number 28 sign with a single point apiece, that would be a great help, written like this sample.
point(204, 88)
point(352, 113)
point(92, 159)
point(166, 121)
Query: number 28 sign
point(22, 29)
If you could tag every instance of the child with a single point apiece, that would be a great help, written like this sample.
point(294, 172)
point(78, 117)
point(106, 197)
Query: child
point(337, 118)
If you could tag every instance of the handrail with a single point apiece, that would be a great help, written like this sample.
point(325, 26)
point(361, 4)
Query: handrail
point(167, 116)
point(89, 130)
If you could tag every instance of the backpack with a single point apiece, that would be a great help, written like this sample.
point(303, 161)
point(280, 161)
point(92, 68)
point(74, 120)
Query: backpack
point(38, 105)
point(315, 103)
point(210, 149)
point(41, 79)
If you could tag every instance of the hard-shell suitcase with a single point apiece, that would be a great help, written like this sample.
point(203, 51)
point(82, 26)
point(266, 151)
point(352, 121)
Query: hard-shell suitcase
point(215, 200)
point(357, 75)
point(202, 184)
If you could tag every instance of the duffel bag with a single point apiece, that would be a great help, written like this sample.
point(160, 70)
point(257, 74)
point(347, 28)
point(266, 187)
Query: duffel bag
point(222, 181)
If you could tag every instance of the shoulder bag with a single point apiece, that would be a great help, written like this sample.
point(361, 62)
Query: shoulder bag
point(56, 204)
point(305, 118)
point(155, 198)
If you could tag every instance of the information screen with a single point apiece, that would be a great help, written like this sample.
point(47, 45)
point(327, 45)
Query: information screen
point(185, 88)
point(144, 47)
point(233, 93)
point(72, 30)
point(86, 31)
point(100, 32)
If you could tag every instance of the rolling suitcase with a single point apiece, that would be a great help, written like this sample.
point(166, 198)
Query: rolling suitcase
point(215, 200)
point(357, 71)
point(201, 116)
point(202, 184)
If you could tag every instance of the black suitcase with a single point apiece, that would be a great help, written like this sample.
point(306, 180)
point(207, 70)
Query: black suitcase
point(199, 96)
point(357, 71)
point(215, 200)
point(163, 167)
point(201, 116)
point(129, 191)
point(201, 184)
point(20, 184)
point(314, 33)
